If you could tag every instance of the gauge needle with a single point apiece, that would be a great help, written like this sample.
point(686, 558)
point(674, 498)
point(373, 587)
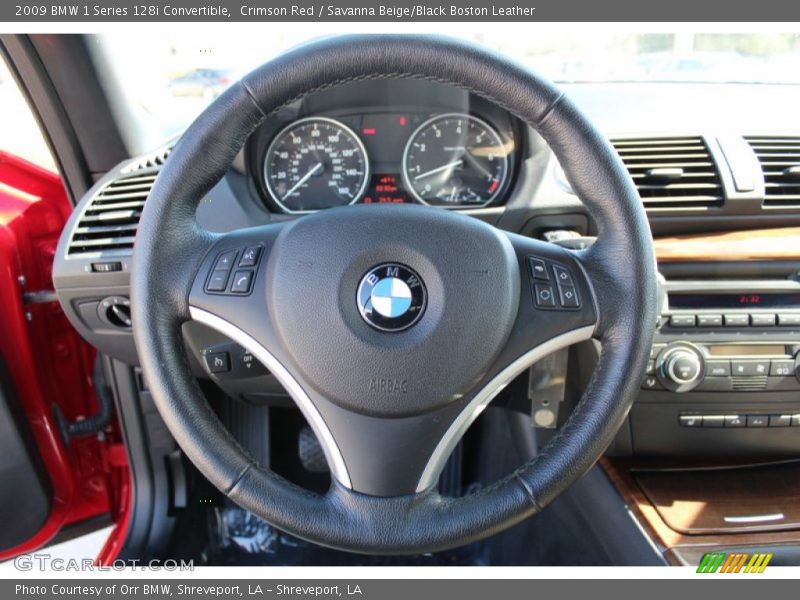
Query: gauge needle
point(303, 179)
point(452, 165)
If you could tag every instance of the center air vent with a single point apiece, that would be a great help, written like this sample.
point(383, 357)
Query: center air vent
point(780, 161)
point(110, 220)
point(671, 172)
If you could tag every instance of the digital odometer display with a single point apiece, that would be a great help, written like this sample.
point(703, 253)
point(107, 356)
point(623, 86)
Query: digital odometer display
point(316, 163)
point(734, 300)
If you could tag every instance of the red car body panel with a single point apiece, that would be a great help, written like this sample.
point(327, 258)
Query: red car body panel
point(50, 364)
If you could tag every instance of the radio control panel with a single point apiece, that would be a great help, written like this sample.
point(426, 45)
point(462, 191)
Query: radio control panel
point(682, 366)
point(727, 336)
point(723, 376)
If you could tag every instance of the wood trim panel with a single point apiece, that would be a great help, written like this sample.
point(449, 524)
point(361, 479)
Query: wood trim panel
point(730, 246)
point(677, 547)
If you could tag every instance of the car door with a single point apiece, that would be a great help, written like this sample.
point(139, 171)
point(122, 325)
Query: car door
point(57, 480)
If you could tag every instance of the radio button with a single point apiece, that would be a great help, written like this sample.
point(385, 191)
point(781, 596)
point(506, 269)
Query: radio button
point(789, 320)
point(735, 421)
point(563, 276)
point(781, 368)
point(713, 420)
point(737, 320)
point(538, 269)
point(681, 321)
point(762, 320)
point(757, 420)
point(749, 368)
point(780, 420)
point(545, 297)
point(709, 320)
point(691, 420)
point(568, 296)
point(720, 368)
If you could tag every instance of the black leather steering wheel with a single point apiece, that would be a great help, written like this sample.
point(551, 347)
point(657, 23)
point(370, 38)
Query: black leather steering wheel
point(389, 394)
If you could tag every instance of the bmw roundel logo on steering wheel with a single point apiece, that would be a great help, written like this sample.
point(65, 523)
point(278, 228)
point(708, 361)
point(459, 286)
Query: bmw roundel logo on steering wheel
point(391, 297)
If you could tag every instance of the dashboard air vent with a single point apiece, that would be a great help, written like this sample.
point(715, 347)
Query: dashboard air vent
point(111, 217)
point(780, 161)
point(671, 173)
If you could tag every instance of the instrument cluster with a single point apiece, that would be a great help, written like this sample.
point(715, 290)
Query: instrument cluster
point(453, 157)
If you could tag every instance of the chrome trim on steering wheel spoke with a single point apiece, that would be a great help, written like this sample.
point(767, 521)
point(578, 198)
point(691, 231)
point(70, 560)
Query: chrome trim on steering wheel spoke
point(292, 386)
point(471, 412)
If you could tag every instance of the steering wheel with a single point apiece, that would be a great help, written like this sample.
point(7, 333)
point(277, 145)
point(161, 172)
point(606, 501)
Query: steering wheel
point(392, 327)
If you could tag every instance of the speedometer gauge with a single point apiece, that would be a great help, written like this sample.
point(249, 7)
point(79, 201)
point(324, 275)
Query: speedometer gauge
point(316, 163)
point(455, 161)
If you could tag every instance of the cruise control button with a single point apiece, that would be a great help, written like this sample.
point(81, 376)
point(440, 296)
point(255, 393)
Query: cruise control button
point(737, 320)
point(757, 420)
point(544, 295)
point(218, 281)
point(250, 256)
point(538, 269)
point(218, 362)
point(225, 260)
point(247, 365)
point(563, 276)
point(735, 421)
point(780, 420)
point(569, 297)
point(681, 321)
point(718, 368)
point(759, 320)
point(709, 320)
point(691, 421)
point(241, 282)
point(749, 368)
point(781, 368)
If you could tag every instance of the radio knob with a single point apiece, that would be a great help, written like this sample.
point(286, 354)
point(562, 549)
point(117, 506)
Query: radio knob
point(681, 367)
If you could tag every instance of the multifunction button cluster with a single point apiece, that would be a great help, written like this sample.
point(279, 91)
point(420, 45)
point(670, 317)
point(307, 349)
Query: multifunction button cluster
point(234, 271)
point(704, 320)
point(739, 420)
point(229, 359)
point(552, 285)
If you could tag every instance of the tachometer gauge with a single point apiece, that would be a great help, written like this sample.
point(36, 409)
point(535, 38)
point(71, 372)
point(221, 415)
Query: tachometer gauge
point(455, 161)
point(316, 163)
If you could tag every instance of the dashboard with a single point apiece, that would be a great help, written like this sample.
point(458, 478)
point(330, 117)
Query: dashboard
point(717, 184)
point(385, 142)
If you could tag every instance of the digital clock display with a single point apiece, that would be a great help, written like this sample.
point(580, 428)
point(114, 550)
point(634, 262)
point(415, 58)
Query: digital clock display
point(767, 300)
